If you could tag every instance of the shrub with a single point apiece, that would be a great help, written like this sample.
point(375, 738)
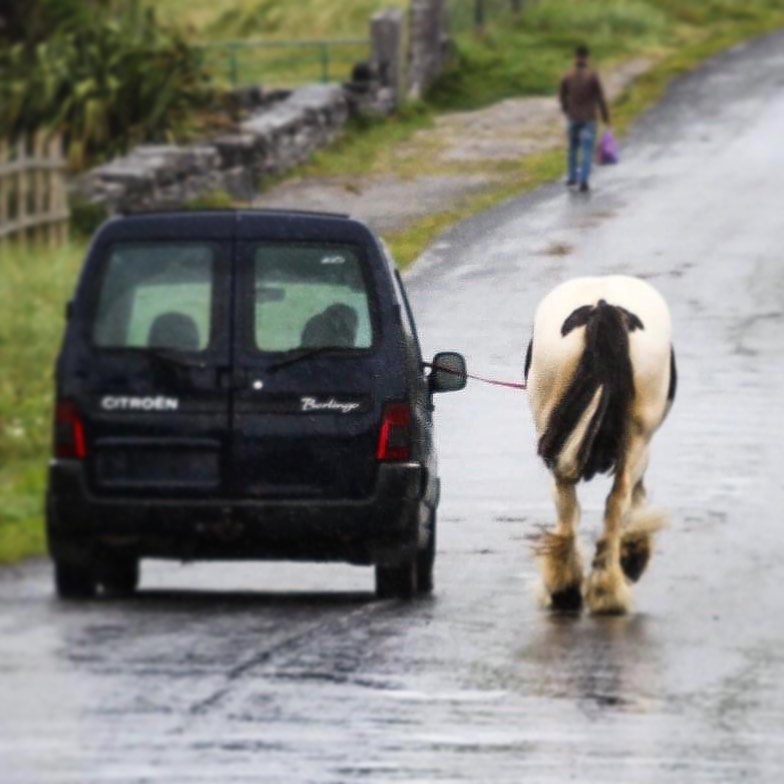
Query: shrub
point(108, 76)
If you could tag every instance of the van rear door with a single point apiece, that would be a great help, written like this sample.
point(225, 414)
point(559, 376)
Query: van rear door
point(150, 374)
point(307, 368)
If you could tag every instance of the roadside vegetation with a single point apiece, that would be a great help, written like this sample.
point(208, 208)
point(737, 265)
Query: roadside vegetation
point(207, 20)
point(527, 57)
point(305, 41)
point(35, 286)
point(105, 73)
point(505, 61)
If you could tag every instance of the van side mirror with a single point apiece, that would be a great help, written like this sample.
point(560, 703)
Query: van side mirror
point(449, 372)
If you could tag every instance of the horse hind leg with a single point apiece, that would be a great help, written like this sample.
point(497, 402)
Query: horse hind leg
point(638, 535)
point(636, 541)
point(559, 555)
point(607, 589)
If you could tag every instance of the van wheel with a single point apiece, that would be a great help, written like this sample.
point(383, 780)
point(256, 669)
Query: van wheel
point(396, 582)
point(426, 560)
point(120, 577)
point(74, 581)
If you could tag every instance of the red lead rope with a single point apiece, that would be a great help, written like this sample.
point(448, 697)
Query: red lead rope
point(496, 383)
point(492, 381)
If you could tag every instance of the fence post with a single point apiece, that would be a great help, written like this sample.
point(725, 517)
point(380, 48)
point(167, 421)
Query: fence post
point(479, 14)
point(4, 157)
point(58, 196)
point(429, 39)
point(42, 185)
point(33, 199)
point(324, 61)
point(386, 35)
point(22, 181)
point(234, 69)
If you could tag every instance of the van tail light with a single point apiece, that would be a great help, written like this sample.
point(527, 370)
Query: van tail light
point(69, 441)
point(394, 441)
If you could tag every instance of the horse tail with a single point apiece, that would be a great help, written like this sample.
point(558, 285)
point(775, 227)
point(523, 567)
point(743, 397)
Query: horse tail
point(587, 430)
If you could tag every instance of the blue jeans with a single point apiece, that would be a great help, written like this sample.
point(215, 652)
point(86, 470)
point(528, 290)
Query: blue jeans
point(582, 137)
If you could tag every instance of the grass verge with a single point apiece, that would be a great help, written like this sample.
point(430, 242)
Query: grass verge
point(36, 285)
point(239, 19)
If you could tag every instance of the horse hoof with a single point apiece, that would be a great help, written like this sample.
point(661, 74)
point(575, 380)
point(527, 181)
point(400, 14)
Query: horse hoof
point(562, 574)
point(568, 600)
point(635, 555)
point(607, 593)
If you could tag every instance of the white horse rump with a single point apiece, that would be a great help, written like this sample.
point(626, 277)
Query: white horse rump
point(601, 380)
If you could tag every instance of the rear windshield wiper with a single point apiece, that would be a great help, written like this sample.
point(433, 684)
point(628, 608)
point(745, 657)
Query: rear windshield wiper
point(299, 354)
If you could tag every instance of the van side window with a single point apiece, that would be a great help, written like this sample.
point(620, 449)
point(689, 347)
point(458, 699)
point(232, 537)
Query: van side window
point(307, 296)
point(156, 295)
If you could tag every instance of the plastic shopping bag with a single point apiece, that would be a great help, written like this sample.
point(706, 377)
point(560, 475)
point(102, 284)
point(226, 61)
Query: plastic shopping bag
point(607, 151)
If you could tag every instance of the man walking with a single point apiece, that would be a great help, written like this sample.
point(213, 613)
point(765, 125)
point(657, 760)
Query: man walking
point(582, 99)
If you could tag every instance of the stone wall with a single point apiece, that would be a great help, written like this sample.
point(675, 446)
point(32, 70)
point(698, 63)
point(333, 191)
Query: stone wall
point(281, 130)
point(269, 142)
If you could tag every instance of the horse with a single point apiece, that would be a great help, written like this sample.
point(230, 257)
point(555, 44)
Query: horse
point(602, 378)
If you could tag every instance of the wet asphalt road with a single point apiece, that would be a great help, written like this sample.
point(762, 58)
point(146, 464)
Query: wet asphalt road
point(280, 673)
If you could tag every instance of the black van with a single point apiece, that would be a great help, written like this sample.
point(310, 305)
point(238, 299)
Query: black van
point(242, 385)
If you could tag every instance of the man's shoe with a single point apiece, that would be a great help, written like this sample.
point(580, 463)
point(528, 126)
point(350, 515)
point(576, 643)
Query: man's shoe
point(571, 183)
point(584, 187)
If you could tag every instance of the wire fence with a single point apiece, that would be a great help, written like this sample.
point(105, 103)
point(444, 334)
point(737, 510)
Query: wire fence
point(33, 197)
point(281, 64)
point(468, 15)
point(289, 63)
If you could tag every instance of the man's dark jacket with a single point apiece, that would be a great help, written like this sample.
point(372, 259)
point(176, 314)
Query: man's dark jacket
point(582, 96)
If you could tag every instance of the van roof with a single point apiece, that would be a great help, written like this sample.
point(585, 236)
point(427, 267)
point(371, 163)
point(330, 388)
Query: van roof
point(244, 224)
point(235, 211)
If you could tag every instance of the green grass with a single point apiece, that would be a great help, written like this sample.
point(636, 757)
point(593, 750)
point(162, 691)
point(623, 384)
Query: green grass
point(527, 56)
point(228, 19)
point(282, 67)
point(535, 170)
point(367, 146)
point(35, 287)
point(209, 22)
point(511, 57)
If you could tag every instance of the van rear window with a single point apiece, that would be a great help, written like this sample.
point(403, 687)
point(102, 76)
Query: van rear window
point(156, 295)
point(310, 297)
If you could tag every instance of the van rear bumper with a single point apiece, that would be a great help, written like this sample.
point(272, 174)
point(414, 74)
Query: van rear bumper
point(380, 529)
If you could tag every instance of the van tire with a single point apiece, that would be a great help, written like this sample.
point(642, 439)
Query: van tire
point(426, 559)
point(397, 582)
point(120, 577)
point(74, 581)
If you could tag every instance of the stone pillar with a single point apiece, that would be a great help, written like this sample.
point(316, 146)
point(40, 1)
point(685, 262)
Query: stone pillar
point(387, 37)
point(429, 44)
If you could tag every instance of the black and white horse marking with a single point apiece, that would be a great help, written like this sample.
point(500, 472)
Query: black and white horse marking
point(601, 377)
